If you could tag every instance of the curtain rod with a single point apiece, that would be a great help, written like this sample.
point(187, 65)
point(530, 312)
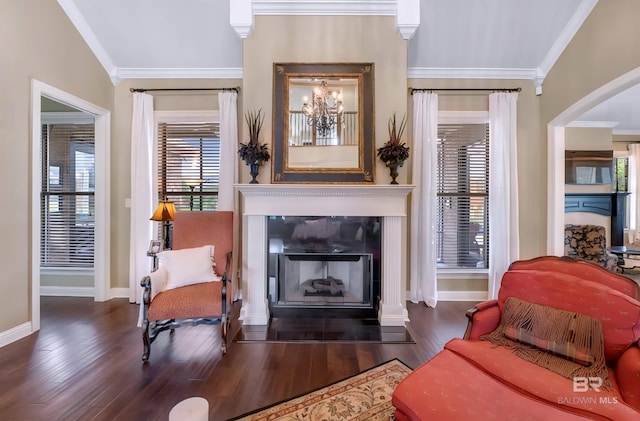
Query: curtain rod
point(236, 89)
point(412, 90)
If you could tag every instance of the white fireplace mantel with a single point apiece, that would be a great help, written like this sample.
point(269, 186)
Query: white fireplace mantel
point(262, 200)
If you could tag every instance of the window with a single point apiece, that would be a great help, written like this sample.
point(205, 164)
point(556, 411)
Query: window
point(621, 184)
point(189, 164)
point(67, 199)
point(621, 173)
point(463, 196)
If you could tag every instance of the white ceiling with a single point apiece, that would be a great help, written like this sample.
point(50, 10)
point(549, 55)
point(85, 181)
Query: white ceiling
point(493, 39)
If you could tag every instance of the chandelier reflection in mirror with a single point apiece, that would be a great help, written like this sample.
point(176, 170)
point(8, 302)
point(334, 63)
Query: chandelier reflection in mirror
point(325, 109)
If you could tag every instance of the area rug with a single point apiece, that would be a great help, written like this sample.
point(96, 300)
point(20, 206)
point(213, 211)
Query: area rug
point(365, 396)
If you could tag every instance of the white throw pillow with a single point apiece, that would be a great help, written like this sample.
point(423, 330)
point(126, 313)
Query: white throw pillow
point(188, 266)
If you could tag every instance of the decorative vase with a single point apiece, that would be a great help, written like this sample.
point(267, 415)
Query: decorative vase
point(393, 171)
point(253, 170)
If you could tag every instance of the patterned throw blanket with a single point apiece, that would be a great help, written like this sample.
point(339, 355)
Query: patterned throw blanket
point(569, 344)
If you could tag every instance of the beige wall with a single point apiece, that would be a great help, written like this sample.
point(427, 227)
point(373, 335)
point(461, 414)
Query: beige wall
point(621, 143)
point(38, 41)
point(605, 47)
point(337, 39)
point(588, 139)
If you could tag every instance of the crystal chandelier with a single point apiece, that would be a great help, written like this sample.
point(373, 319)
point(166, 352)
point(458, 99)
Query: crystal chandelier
point(324, 111)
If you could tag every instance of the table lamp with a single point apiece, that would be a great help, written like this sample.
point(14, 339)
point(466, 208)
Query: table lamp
point(164, 213)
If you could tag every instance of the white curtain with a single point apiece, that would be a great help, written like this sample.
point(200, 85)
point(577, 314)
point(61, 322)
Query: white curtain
point(227, 102)
point(503, 191)
point(228, 106)
point(143, 195)
point(634, 197)
point(424, 283)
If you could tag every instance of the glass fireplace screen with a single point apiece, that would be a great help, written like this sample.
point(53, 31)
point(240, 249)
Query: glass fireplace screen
point(322, 262)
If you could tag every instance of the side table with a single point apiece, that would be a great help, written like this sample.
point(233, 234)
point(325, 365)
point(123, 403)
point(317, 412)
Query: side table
point(621, 251)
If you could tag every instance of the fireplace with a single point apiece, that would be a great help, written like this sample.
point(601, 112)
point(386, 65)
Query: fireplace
point(383, 207)
point(326, 266)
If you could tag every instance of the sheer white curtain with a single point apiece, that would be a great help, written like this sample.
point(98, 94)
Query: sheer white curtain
point(424, 283)
point(634, 197)
point(143, 195)
point(503, 191)
point(228, 106)
point(227, 102)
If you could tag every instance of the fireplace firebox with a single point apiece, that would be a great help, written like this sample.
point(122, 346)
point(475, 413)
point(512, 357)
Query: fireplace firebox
point(324, 266)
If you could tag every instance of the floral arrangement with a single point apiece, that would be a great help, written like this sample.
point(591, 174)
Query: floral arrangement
point(394, 152)
point(254, 152)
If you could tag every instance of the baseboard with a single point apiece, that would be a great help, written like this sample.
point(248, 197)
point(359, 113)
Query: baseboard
point(14, 334)
point(57, 291)
point(462, 295)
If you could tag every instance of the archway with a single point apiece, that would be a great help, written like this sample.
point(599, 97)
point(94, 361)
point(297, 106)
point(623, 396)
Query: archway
point(555, 154)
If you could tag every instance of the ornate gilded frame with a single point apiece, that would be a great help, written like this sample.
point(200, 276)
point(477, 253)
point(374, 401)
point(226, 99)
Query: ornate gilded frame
point(281, 172)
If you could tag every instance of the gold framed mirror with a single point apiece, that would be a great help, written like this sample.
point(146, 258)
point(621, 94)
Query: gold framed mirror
point(323, 129)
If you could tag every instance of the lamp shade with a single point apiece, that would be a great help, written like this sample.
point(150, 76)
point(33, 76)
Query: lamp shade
point(164, 212)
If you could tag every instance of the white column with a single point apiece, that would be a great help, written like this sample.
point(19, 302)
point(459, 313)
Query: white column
point(392, 311)
point(241, 17)
point(408, 17)
point(255, 309)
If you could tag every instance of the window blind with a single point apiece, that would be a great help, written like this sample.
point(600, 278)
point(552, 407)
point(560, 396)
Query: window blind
point(189, 165)
point(463, 196)
point(67, 200)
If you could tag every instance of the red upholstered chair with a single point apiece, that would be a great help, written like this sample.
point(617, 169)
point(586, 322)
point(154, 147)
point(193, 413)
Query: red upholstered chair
point(183, 289)
point(477, 379)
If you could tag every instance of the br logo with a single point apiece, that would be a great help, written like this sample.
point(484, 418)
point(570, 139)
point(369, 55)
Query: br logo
point(582, 384)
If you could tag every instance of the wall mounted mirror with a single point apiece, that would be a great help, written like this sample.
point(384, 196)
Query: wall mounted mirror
point(323, 129)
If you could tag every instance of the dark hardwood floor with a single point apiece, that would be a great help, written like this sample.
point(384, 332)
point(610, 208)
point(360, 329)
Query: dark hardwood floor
point(85, 364)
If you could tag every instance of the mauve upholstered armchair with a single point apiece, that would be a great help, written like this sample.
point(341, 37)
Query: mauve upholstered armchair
point(192, 284)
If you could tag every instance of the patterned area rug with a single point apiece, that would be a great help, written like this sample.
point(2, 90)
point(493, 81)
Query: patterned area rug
point(365, 396)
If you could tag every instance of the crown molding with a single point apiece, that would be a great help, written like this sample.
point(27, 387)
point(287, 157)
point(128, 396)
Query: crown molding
point(73, 13)
point(325, 7)
point(408, 18)
point(565, 37)
point(626, 132)
point(465, 73)
point(180, 73)
point(241, 17)
point(594, 124)
point(567, 34)
point(407, 12)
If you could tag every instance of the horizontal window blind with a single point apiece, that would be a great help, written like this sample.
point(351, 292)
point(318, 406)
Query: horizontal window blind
point(67, 200)
point(189, 165)
point(463, 196)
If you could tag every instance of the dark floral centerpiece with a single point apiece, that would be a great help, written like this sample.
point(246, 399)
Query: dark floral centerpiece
point(254, 153)
point(394, 152)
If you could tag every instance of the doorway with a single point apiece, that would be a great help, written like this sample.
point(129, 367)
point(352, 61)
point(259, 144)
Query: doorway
point(556, 154)
point(99, 184)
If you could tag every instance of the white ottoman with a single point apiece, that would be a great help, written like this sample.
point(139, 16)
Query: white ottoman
point(191, 409)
